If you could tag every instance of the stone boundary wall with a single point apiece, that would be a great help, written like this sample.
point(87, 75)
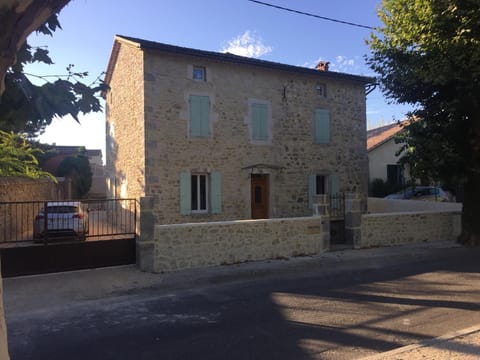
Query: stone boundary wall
point(193, 245)
point(378, 205)
point(409, 227)
point(22, 189)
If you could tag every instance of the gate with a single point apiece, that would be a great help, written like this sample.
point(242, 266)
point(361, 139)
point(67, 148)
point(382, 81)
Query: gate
point(337, 218)
point(51, 236)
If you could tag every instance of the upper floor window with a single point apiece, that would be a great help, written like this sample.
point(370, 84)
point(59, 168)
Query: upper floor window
point(260, 120)
point(199, 73)
point(199, 125)
point(322, 126)
point(321, 90)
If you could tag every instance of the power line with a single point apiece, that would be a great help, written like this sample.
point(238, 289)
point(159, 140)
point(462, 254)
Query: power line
point(312, 15)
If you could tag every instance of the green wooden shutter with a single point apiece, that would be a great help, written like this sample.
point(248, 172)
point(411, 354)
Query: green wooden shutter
point(259, 122)
point(311, 189)
point(185, 193)
point(199, 116)
point(216, 192)
point(322, 126)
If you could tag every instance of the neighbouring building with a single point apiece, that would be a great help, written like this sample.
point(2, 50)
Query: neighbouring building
point(212, 136)
point(98, 188)
point(382, 154)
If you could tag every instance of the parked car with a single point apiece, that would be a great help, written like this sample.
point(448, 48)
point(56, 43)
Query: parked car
point(425, 193)
point(61, 219)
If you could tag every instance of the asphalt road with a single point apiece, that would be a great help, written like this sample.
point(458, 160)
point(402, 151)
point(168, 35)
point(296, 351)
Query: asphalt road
point(335, 309)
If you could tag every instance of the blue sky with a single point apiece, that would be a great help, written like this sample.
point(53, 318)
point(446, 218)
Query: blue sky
point(237, 26)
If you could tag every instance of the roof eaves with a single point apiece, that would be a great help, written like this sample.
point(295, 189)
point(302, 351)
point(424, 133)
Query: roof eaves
point(227, 57)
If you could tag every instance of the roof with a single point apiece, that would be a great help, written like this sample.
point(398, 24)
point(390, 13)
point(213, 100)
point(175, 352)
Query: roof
point(380, 135)
point(65, 149)
point(223, 57)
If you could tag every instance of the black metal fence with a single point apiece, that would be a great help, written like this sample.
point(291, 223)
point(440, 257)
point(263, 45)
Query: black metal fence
point(27, 221)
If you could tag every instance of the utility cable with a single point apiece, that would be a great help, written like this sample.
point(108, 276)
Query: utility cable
point(313, 15)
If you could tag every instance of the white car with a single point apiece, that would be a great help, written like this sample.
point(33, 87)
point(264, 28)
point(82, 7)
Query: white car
point(61, 219)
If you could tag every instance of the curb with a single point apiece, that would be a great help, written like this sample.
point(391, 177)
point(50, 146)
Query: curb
point(424, 343)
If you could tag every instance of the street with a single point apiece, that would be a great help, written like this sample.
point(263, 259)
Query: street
point(337, 306)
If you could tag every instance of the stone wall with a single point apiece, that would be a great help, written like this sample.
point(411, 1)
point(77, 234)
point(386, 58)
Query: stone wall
point(125, 127)
point(22, 189)
point(182, 246)
point(409, 227)
point(377, 205)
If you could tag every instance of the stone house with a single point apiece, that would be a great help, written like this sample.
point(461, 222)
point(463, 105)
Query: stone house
point(208, 136)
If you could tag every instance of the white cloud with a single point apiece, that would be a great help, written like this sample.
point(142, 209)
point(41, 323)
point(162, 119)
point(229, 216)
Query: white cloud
point(342, 64)
point(248, 44)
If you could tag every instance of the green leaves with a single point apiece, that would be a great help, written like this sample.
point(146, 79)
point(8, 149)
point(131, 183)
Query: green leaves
point(29, 108)
point(77, 168)
point(19, 158)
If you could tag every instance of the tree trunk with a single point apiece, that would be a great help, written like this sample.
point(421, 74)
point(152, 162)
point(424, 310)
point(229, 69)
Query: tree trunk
point(18, 19)
point(471, 211)
point(471, 203)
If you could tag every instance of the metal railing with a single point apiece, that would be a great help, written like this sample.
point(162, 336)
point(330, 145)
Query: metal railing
point(337, 206)
point(27, 221)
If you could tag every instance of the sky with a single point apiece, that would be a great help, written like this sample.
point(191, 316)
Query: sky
point(237, 26)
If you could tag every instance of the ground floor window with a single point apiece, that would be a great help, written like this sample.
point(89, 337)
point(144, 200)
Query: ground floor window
point(199, 193)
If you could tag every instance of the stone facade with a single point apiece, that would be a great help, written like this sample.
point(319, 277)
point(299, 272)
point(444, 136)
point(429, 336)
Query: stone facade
point(183, 246)
point(149, 146)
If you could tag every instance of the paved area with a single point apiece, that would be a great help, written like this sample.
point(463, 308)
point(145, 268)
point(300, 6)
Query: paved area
point(61, 290)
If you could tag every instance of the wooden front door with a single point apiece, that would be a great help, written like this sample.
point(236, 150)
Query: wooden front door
point(259, 196)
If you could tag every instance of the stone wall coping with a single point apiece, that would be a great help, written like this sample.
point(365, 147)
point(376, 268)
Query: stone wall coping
point(237, 222)
point(408, 213)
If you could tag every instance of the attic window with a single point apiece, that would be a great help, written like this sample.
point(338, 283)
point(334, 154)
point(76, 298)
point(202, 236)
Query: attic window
point(199, 73)
point(321, 90)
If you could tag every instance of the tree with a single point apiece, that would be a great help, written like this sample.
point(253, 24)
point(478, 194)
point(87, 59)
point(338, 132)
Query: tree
point(29, 108)
point(19, 18)
point(427, 53)
point(19, 158)
point(77, 168)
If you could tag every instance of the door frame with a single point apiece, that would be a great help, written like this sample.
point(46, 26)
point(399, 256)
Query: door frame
point(264, 181)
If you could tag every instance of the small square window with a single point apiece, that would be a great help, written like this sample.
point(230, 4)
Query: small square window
point(199, 73)
point(321, 90)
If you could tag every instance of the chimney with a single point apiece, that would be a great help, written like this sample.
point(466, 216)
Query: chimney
point(322, 66)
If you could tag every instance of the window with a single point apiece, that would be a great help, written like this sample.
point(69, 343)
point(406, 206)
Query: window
point(199, 73)
point(323, 184)
point(321, 90)
point(199, 116)
point(322, 126)
point(394, 174)
point(320, 184)
point(200, 193)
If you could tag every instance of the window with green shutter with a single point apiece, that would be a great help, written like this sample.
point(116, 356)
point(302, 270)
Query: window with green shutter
point(199, 116)
point(322, 126)
point(259, 122)
point(200, 193)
